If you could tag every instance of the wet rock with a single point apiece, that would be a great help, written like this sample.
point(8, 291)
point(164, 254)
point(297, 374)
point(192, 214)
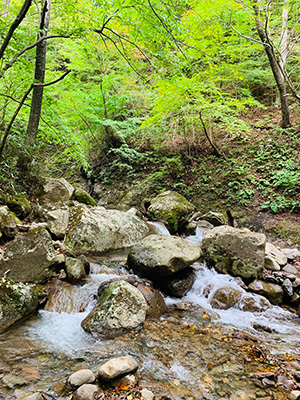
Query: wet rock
point(12, 380)
point(96, 231)
point(254, 303)
point(55, 190)
point(86, 392)
point(80, 377)
point(267, 382)
point(16, 302)
point(57, 221)
point(157, 256)
point(8, 222)
point(260, 327)
point(271, 291)
point(157, 228)
point(287, 287)
point(30, 257)
point(121, 308)
point(75, 270)
point(83, 197)
point(214, 218)
point(34, 396)
point(116, 368)
point(155, 301)
point(225, 297)
point(236, 251)
point(275, 254)
point(171, 207)
point(180, 283)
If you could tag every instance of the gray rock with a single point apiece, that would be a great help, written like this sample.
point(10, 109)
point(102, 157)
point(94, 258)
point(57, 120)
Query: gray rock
point(271, 291)
point(225, 297)
point(291, 254)
point(214, 218)
point(16, 302)
point(13, 380)
point(290, 269)
point(275, 254)
point(86, 392)
point(158, 256)
point(34, 396)
point(117, 367)
point(147, 394)
point(180, 283)
point(120, 309)
point(75, 270)
point(96, 231)
point(80, 377)
point(127, 380)
point(171, 207)
point(287, 286)
point(236, 251)
point(271, 264)
point(29, 257)
point(57, 221)
point(8, 222)
point(56, 190)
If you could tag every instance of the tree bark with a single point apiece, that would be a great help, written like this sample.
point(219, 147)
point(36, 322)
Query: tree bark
point(39, 75)
point(275, 67)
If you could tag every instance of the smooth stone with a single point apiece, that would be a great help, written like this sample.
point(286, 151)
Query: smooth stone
point(225, 297)
point(86, 392)
point(271, 291)
point(117, 367)
point(80, 377)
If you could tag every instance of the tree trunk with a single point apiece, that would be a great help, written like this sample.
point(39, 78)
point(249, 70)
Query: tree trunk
point(275, 67)
point(39, 75)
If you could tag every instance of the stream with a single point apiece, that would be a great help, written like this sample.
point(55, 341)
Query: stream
point(192, 352)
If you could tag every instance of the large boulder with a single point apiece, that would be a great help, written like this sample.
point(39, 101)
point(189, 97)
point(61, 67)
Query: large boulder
point(55, 191)
point(235, 251)
point(8, 222)
point(96, 230)
point(171, 207)
point(16, 302)
point(58, 221)
point(160, 256)
point(120, 309)
point(30, 257)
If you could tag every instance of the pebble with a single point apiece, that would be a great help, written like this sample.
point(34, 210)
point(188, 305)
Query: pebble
point(294, 395)
point(147, 394)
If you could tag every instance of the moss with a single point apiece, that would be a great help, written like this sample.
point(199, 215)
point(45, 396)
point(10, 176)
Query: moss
point(19, 206)
point(285, 230)
point(83, 197)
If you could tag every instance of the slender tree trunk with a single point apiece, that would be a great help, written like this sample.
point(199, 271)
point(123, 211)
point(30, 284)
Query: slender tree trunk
point(39, 75)
point(7, 5)
point(275, 67)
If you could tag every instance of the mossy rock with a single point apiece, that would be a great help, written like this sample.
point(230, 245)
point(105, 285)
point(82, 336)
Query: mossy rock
point(172, 208)
point(20, 206)
point(8, 222)
point(16, 302)
point(82, 196)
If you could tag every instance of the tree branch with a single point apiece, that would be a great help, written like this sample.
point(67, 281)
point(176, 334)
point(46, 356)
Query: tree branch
point(18, 20)
point(208, 137)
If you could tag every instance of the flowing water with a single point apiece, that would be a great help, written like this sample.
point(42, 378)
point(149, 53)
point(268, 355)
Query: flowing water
point(192, 352)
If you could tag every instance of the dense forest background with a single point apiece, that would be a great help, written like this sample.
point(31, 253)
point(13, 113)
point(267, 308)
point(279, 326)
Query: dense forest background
point(138, 96)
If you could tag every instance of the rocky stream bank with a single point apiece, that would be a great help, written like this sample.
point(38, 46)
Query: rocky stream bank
point(198, 313)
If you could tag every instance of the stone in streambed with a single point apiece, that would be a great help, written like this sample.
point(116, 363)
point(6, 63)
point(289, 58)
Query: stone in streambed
point(171, 207)
point(120, 309)
point(80, 377)
point(86, 392)
point(271, 291)
point(75, 270)
point(225, 297)
point(116, 368)
point(254, 303)
point(275, 254)
point(158, 256)
point(235, 251)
